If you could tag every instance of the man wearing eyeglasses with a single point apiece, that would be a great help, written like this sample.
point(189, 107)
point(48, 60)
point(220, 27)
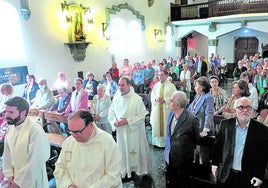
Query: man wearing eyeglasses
point(240, 151)
point(89, 157)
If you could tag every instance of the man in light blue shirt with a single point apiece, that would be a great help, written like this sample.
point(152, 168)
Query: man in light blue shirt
point(240, 151)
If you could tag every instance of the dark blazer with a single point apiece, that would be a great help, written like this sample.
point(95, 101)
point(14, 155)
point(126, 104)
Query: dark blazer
point(255, 153)
point(204, 68)
point(183, 140)
point(204, 111)
point(32, 92)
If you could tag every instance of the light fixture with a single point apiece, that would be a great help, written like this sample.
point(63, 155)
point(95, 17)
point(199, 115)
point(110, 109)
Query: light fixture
point(105, 30)
point(157, 32)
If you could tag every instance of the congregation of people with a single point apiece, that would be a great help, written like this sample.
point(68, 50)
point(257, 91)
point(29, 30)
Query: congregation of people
point(107, 142)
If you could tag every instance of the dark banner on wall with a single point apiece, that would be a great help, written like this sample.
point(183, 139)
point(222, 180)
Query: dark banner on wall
point(13, 75)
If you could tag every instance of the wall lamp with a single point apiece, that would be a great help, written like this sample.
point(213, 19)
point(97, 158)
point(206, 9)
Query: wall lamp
point(105, 33)
point(157, 32)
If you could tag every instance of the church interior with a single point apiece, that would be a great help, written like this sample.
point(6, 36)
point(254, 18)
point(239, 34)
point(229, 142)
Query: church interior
point(44, 38)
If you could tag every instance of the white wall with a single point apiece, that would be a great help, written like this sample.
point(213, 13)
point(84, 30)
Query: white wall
point(44, 39)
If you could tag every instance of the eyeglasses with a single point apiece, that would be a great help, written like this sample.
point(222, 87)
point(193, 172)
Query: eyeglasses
point(78, 131)
point(244, 107)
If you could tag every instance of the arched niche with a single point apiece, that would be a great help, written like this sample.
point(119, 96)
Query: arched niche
point(118, 8)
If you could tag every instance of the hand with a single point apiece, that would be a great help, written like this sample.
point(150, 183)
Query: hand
point(72, 186)
point(214, 170)
point(259, 119)
point(203, 134)
point(255, 182)
point(10, 181)
point(160, 100)
point(14, 185)
point(122, 121)
point(96, 117)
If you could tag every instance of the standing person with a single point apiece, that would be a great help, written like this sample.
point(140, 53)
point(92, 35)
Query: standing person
point(203, 108)
point(79, 98)
point(149, 75)
point(126, 69)
point(238, 70)
point(30, 89)
point(90, 85)
point(241, 149)
point(185, 78)
point(138, 78)
point(26, 148)
point(239, 89)
point(89, 157)
point(202, 67)
point(111, 85)
point(100, 108)
point(127, 116)
point(114, 72)
point(160, 97)
point(253, 92)
point(182, 138)
point(219, 95)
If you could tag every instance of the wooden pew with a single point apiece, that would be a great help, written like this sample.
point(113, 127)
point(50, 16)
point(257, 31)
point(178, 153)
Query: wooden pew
point(47, 115)
point(56, 139)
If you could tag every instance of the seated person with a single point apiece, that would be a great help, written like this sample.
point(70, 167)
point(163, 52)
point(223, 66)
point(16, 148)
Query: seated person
point(62, 81)
point(79, 98)
point(62, 102)
point(90, 85)
point(7, 91)
point(44, 97)
point(59, 107)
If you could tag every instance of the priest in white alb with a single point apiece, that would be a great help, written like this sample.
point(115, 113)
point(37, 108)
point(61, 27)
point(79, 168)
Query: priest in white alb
point(127, 116)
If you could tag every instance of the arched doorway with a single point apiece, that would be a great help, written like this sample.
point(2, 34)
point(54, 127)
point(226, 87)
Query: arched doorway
point(245, 46)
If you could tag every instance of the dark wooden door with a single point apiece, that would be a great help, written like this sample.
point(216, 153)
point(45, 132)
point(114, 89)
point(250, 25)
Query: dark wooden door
point(184, 2)
point(245, 46)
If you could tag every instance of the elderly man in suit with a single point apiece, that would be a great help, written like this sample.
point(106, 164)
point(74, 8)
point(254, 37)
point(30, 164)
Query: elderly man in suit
point(181, 140)
point(240, 151)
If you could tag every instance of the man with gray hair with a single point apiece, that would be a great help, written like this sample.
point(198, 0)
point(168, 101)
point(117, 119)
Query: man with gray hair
point(181, 139)
point(240, 151)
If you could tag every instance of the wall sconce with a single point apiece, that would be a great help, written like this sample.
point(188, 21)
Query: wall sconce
point(158, 35)
point(105, 30)
point(157, 32)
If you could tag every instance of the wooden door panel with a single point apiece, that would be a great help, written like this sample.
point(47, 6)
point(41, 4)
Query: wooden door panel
point(245, 45)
